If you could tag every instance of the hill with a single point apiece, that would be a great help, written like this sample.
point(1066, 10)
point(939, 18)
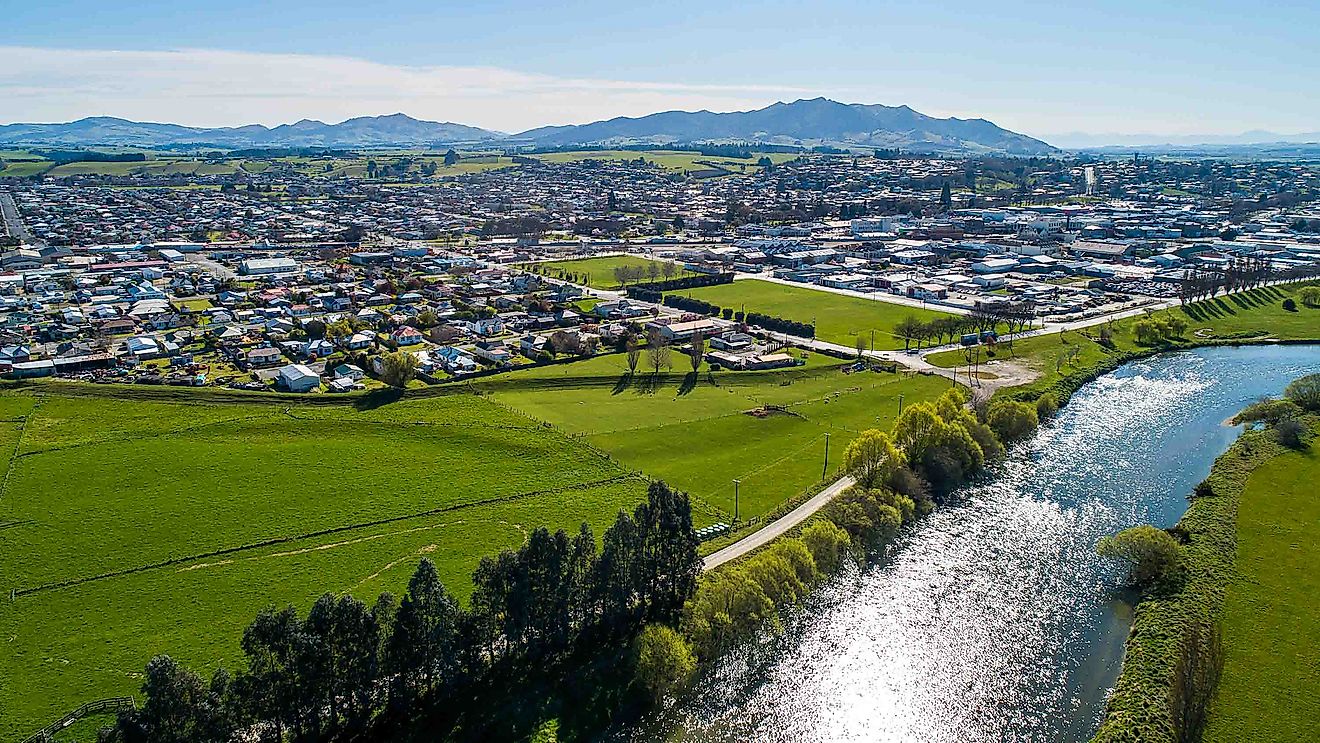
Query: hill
point(365, 131)
point(818, 121)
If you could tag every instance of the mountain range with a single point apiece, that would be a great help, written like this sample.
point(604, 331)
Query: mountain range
point(818, 121)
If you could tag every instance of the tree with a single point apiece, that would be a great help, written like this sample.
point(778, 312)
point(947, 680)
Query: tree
point(1153, 556)
point(909, 328)
point(827, 544)
point(1310, 296)
point(946, 196)
point(1012, 421)
point(1305, 392)
point(664, 660)
point(697, 351)
point(397, 369)
point(451, 158)
point(634, 349)
point(178, 707)
point(657, 350)
point(871, 458)
point(1291, 433)
point(271, 688)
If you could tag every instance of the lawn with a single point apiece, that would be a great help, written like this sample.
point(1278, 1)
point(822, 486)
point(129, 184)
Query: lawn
point(133, 528)
point(1257, 313)
point(695, 431)
point(598, 273)
point(1270, 689)
point(838, 318)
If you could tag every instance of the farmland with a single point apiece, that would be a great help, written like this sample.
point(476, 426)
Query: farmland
point(695, 431)
point(838, 318)
point(598, 273)
point(129, 525)
point(1270, 683)
point(672, 160)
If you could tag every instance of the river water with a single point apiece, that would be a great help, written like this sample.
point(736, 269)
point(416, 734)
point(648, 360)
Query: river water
point(995, 620)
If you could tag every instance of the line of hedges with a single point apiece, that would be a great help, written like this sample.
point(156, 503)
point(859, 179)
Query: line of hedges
point(1174, 654)
point(656, 288)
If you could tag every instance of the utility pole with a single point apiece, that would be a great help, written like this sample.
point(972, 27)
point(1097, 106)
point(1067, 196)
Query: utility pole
point(825, 467)
point(735, 500)
point(900, 403)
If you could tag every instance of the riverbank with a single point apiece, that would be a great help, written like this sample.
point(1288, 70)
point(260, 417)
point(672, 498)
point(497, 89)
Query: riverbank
point(1270, 688)
point(1174, 652)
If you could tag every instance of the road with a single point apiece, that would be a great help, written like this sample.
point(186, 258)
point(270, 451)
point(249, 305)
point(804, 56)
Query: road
point(778, 527)
point(13, 222)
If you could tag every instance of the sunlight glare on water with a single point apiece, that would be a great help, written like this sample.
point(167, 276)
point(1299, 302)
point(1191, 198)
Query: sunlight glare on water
point(994, 620)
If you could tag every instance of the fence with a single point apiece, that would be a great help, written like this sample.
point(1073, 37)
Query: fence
point(100, 706)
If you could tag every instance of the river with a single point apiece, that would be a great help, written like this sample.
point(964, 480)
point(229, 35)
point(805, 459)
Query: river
point(994, 620)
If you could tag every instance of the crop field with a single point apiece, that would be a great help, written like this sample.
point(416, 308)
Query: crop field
point(133, 528)
point(838, 318)
point(1257, 313)
point(1270, 689)
point(696, 431)
point(599, 272)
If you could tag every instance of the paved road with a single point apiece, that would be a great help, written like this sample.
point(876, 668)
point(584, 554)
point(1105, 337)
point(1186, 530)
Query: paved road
point(13, 222)
point(778, 527)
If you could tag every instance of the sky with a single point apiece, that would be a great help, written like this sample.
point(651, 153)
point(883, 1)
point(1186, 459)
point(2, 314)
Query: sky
point(1048, 69)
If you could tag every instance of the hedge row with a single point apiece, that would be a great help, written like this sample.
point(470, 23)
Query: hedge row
point(685, 282)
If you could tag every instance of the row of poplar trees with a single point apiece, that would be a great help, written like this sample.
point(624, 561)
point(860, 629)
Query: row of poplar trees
point(346, 666)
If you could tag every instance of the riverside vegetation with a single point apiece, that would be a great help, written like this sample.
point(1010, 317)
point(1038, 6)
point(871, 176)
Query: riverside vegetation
point(1175, 652)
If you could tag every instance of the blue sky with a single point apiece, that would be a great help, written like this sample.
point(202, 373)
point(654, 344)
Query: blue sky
point(1043, 68)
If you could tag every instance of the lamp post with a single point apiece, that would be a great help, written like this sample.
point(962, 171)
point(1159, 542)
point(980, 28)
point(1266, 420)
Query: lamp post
point(736, 482)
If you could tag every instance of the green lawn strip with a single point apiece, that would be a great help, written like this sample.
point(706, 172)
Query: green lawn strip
point(838, 318)
point(1270, 689)
point(92, 640)
point(1172, 641)
point(600, 271)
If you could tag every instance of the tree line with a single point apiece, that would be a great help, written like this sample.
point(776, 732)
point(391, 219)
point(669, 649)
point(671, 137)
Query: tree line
point(652, 291)
point(348, 670)
point(1011, 316)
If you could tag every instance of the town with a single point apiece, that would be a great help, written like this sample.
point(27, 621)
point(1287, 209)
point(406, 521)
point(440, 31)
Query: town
point(301, 280)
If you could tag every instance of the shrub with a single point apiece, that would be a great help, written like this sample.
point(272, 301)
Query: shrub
point(872, 458)
point(1310, 296)
point(1012, 421)
point(1305, 392)
point(1154, 558)
point(1046, 406)
point(826, 543)
point(664, 660)
point(1290, 305)
point(1268, 411)
point(1291, 433)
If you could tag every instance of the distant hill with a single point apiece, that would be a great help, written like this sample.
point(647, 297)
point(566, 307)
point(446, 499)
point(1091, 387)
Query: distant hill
point(818, 121)
point(366, 131)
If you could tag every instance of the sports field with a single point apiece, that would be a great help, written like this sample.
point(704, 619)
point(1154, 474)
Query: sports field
point(1270, 689)
point(839, 318)
point(695, 431)
point(598, 273)
point(133, 528)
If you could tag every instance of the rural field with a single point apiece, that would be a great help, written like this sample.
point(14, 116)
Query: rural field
point(129, 525)
point(838, 318)
point(696, 431)
point(1256, 313)
point(672, 160)
point(1270, 689)
point(598, 273)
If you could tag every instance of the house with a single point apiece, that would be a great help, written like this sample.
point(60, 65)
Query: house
point(455, 360)
point(486, 326)
point(406, 336)
point(264, 356)
point(733, 341)
point(532, 345)
point(298, 378)
point(493, 351)
point(15, 354)
point(254, 266)
point(995, 265)
point(143, 347)
point(349, 371)
point(359, 341)
point(681, 331)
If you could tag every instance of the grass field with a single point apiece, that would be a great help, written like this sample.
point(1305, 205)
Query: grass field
point(1257, 313)
point(1270, 689)
point(672, 160)
point(600, 271)
point(838, 318)
point(130, 526)
point(695, 432)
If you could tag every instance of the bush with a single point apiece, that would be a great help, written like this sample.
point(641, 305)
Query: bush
point(1289, 305)
point(1305, 392)
point(1291, 433)
point(1154, 558)
point(1012, 421)
point(664, 661)
point(872, 458)
point(1268, 411)
point(1310, 296)
point(1046, 406)
point(826, 543)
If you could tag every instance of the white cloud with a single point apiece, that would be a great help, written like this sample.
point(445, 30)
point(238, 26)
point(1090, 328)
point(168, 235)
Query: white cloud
point(202, 87)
